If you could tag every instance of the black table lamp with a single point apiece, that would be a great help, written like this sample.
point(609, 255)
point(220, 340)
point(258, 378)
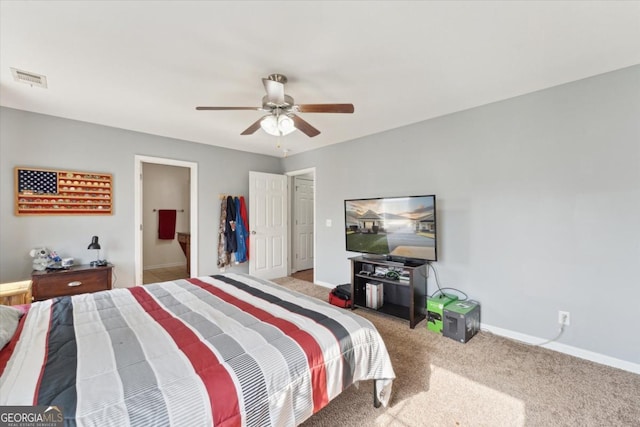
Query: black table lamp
point(95, 245)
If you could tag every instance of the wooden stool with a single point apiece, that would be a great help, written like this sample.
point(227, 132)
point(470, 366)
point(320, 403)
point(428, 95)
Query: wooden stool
point(15, 293)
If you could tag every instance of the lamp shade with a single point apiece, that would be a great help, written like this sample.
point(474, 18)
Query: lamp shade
point(286, 125)
point(94, 243)
point(277, 125)
point(270, 125)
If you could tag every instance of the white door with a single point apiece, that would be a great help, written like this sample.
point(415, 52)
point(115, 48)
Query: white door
point(303, 224)
point(268, 225)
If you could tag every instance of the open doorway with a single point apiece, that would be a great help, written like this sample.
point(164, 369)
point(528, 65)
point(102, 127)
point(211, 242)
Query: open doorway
point(162, 185)
point(302, 224)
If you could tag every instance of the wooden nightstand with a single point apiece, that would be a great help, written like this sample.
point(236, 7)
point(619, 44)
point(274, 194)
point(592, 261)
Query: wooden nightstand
point(15, 293)
point(79, 279)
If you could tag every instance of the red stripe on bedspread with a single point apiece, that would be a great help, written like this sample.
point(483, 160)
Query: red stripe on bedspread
point(8, 350)
point(220, 387)
point(308, 344)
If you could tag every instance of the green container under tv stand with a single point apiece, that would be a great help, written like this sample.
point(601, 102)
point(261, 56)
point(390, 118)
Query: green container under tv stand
point(405, 299)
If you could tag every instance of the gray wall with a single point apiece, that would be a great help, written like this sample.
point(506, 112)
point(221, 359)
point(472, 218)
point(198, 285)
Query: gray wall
point(35, 140)
point(538, 206)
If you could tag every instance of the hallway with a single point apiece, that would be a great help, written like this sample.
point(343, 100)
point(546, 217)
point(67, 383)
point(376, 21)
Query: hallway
point(306, 275)
point(164, 274)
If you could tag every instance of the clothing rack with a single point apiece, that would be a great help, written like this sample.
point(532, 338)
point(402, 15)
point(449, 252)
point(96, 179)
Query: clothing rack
point(177, 210)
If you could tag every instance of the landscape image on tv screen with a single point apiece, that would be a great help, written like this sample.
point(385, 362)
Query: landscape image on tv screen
point(397, 226)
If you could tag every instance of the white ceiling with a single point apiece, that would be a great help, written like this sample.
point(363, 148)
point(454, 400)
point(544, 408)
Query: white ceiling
point(145, 65)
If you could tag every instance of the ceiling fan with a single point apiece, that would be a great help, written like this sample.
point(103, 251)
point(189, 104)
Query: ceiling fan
point(282, 118)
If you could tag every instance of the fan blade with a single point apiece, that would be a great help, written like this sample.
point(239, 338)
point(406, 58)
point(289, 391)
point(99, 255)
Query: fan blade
point(304, 126)
point(254, 127)
point(228, 108)
point(275, 91)
point(325, 108)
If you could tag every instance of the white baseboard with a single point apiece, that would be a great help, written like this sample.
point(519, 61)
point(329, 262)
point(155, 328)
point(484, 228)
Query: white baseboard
point(325, 284)
point(566, 349)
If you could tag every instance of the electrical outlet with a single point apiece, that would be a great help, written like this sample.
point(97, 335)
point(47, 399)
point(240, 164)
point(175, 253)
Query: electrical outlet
point(564, 318)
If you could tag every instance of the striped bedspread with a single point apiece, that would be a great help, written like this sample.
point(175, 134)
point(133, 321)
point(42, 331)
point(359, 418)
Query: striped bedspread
point(227, 350)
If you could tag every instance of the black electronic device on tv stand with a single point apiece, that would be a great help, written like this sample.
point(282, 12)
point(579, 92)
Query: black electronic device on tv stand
point(409, 262)
point(395, 260)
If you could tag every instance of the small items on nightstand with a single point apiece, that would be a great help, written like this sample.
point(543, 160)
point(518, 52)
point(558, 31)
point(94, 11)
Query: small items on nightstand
point(41, 259)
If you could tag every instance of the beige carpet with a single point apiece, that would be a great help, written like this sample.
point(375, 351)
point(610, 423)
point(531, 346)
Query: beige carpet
point(489, 381)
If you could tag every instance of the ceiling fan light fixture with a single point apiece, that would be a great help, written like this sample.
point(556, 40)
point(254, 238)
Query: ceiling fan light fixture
point(286, 125)
point(277, 125)
point(270, 125)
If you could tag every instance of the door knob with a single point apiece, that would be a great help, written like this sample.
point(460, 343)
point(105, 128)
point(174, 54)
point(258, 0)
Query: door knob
point(253, 232)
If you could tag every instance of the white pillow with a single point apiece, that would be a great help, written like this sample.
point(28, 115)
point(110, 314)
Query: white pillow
point(9, 317)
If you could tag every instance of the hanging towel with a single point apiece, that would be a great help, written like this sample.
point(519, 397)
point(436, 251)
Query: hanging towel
point(166, 224)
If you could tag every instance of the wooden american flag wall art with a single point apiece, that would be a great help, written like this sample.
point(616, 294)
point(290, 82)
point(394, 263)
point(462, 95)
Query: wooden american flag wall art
point(62, 192)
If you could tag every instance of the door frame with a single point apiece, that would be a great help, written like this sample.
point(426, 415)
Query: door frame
point(290, 228)
point(138, 206)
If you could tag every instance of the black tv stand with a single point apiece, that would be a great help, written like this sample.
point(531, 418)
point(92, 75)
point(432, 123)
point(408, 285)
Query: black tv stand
point(404, 298)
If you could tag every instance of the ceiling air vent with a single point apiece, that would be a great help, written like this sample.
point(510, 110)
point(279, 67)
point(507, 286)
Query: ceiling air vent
point(29, 78)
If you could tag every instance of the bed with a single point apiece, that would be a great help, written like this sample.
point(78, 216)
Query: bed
point(224, 350)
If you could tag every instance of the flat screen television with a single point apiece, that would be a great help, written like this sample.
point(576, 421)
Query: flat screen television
point(398, 228)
